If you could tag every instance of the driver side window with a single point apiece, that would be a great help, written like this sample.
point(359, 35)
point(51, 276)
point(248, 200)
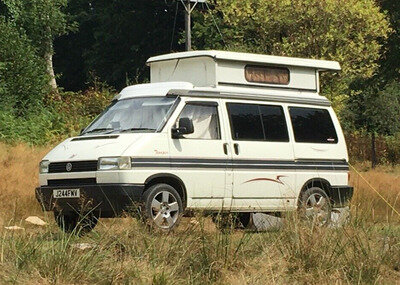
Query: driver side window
point(205, 120)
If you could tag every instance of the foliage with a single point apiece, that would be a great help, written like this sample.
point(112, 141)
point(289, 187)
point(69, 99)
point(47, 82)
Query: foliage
point(63, 114)
point(347, 31)
point(390, 61)
point(23, 80)
point(115, 39)
point(372, 109)
point(78, 109)
point(393, 153)
point(42, 21)
point(39, 127)
point(359, 147)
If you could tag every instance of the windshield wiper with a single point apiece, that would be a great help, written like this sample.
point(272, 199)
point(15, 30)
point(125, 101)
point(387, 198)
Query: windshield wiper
point(137, 129)
point(98, 130)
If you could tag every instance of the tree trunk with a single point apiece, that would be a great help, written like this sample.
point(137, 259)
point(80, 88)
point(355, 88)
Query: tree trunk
point(48, 56)
point(373, 151)
point(50, 70)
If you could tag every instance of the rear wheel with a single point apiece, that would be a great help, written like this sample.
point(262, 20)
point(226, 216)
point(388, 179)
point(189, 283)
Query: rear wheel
point(315, 206)
point(163, 207)
point(80, 224)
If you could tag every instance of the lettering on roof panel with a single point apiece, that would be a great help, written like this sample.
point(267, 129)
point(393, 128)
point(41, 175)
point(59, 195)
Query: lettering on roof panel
point(267, 74)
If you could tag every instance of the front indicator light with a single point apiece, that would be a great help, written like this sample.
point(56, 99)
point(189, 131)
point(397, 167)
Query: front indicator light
point(44, 166)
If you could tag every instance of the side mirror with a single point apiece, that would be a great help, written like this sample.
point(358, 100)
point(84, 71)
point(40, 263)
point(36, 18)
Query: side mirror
point(185, 128)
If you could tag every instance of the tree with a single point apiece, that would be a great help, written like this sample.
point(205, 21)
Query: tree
point(71, 49)
point(373, 109)
point(23, 80)
point(43, 21)
point(350, 32)
point(114, 40)
point(390, 60)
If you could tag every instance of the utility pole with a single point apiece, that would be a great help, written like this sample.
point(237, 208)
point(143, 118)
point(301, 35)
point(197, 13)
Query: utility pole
point(188, 11)
point(188, 28)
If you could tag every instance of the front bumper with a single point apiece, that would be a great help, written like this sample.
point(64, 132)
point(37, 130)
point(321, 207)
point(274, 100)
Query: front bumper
point(109, 200)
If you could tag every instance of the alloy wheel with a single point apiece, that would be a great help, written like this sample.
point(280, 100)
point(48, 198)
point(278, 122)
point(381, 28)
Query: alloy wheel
point(317, 209)
point(164, 210)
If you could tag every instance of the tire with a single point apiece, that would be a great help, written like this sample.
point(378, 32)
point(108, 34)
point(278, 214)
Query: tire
point(163, 207)
point(75, 223)
point(226, 221)
point(315, 206)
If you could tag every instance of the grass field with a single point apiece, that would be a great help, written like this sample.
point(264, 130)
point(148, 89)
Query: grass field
point(366, 250)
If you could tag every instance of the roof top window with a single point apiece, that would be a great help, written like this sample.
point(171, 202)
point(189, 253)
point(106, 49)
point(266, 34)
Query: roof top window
point(267, 74)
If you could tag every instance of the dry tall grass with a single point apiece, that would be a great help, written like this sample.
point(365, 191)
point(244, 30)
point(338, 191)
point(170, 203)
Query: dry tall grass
point(366, 250)
point(386, 181)
point(18, 179)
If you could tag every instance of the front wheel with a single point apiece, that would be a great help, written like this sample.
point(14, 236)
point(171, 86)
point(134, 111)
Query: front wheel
point(80, 224)
point(163, 207)
point(315, 206)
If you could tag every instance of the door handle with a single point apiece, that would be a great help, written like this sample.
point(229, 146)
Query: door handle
point(236, 148)
point(225, 148)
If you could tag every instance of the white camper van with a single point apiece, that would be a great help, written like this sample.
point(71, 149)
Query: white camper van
point(215, 131)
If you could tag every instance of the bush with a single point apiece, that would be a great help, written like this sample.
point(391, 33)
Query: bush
point(359, 147)
point(78, 109)
point(62, 115)
point(36, 128)
point(23, 79)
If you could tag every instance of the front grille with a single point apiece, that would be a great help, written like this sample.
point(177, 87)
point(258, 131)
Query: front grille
point(71, 182)
point(76, 166)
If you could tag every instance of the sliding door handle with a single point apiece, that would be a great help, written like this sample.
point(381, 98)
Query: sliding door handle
point(225, 148)
point(236, 148)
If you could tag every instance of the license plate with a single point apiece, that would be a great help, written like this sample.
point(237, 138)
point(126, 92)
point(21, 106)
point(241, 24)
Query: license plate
point(66, 193)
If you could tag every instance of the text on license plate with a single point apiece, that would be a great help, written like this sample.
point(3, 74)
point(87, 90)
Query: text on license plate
point(66, 193)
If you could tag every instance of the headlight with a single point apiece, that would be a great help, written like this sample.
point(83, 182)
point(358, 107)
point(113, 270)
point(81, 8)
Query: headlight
point(114, 163)
point(44, 166)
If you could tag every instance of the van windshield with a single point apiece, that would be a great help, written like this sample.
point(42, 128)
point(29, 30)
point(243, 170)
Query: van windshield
point(144, 114)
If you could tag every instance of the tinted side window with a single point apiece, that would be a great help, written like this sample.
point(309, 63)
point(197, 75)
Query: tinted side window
point(274, 122)
point(312, 125)
point(205, 121)
point(245, 122)
point(257, 122)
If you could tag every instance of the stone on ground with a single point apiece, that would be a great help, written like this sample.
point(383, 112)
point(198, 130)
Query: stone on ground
point(35, 221)
point(264, 222)
point(14, 228)
point(83, 246)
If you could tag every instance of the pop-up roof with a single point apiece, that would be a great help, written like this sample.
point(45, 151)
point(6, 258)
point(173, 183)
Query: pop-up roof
point(221, 68)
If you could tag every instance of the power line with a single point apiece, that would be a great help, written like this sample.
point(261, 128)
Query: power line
point(173, 29)
point(215, 23)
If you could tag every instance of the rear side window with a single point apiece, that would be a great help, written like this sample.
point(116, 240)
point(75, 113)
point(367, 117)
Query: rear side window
point(257, 122)
point(311, 125)
point(274, 123)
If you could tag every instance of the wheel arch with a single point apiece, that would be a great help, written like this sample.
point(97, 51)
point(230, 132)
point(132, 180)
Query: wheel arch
point(171, 180)
point(316, 182)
